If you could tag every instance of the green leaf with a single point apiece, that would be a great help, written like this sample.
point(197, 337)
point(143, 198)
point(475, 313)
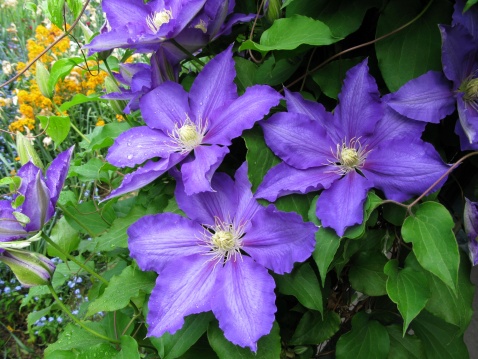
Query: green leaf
point(408, 289)
point(61, 68)
point(129, 348)
point(276, 71)
point(434, 244)
point(65, 236)
point(313, 329)
point(79, 99)
point(469, 4)
point(440, 339)
point(368, 339)
point(303, 284)
point(268, 346)
point(117, 295)
point(415, 49)
point(57, 127)
point(93, 170)
point(88, 218)
point(289, 33)
point(55, 9)
point(75, 6)
point(366, 273)
point(173, 346)
point(295, 203)
point(13, 182)
point(245, 73)
point(75, 337)
point(331, 76)
point(372, 202)
point(327, 243)
point(404, 347)
point(259, 157)
point(104, 136)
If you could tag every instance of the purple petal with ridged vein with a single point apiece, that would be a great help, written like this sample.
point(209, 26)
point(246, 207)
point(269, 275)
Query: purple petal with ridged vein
point(156, 240)
point(197, 174)
point(145, 175)
point(468, 19)
point(230, 121)
point(120, 12)
point(465, 144)
point(278, 239)
point(57, 172)
point(137, 145)
point(205, 206)
point(122, 36)
point(427, 98)
point(184, 287)
point(341, 205)
point(247, 205)
point(165, 106)
point(468, 119)
point(470, 219)
point(214, 86)
point(37, 205)
point(404, 167)
point(10, 229)
point(183, 12)
point(283, 179)
point(359, 107)
point(298, 141)
point(244, 302)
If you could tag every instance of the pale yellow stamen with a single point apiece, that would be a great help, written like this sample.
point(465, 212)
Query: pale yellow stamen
point(157, 19)
point(188, 135)
point(223, 240)
point(349, 156)
point(201, 26)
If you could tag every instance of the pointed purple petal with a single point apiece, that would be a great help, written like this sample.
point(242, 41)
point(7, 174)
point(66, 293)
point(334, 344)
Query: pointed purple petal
point(37, 204)
point(120, 37)
point(184, 287)
point(9, 227)
point(246, 205)
point(165, 106)
point(297, 140)
point(245, 302)
point(470, 219)
point(283, 179)
point(468, 119)
point(214, 86)
point(57, 172)
point(465, 144)
point(341, 205)
point(197, 174)
point(231, 21)
point(404, 167)
point(156, 240)
point(427, 98)
point(468, 19)
point(359, 107)
point(120, 12)
point(241, 114)
point(137, 145)
point(278, 239)
point(145, 175)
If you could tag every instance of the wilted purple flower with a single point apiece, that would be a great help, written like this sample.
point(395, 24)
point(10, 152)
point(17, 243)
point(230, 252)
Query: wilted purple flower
point(192, 128)
point(433, 95)
point(470, 219)
point(217, 259)
point(361, 145)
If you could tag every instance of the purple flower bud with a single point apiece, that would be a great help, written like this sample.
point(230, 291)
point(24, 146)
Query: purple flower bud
point(470, 219)
point(30, 268)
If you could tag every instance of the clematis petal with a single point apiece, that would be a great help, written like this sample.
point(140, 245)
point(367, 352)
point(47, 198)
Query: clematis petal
point(297, 140)
point(465, 144)
point(404, 167)
point(37, 205)
point(359, 107)
point(246, 206)
point(427, 98)
point(468, 120)
point(244, 302)
point(184, 287)
point(470, 219)
point(214, 86)
point(156, 240)
point(230, 121)
point(165, 106)
point(278, 239)
point(10, 229)
point(57, 172)
point(183, 12)
point(137, 145)
point(468, 19)
point(283, 179)
point(119, 37)
point(203, 207)
point(341, 205)
point(120, 12)
point(145, 175)
point(197, 174)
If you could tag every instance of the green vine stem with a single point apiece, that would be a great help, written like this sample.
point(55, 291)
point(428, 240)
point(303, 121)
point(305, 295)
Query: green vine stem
point(76, 320)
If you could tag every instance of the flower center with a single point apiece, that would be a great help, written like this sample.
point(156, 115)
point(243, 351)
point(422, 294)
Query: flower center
point(157, 19)
point(187, 136)
point(349, 156)
point(470, 90)
point(224, 240)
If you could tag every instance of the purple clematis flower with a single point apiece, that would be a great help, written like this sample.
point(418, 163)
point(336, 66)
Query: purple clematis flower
point(470, 220)
point(435, 95)
point(41, 194)
point(192, 129)
point(362, 145)
point(217, 259)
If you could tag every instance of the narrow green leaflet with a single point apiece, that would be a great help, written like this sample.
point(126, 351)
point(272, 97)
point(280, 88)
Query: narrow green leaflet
point(55, 10)
point(469, 4)
point(75, 6)
point(368, 339)
point(303, 284)
point(171, 346)
point(440, 339)
point(327, 243)
point(117, 295)
point(64, 236)
point(434, 244)
point(313, 329)
point(289, 33)
point(408, 289)
point(268, 347)
point(57, 127)
point(366, 273)
point(404, 346)
point(79, 98)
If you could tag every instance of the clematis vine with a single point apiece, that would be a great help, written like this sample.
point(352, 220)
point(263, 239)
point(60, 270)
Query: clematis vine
point(362, 145)
point(435, 95)
point(217, 258)
point(191, 129)
point(470, 220)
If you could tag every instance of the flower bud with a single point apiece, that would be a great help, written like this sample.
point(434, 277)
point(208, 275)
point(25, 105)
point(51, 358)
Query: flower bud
point(26, 152)
point(117, 105)
point(30, 268)
point(272, 10)
point(43, 77)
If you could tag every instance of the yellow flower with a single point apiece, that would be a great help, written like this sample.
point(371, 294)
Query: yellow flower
point(100, 122)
